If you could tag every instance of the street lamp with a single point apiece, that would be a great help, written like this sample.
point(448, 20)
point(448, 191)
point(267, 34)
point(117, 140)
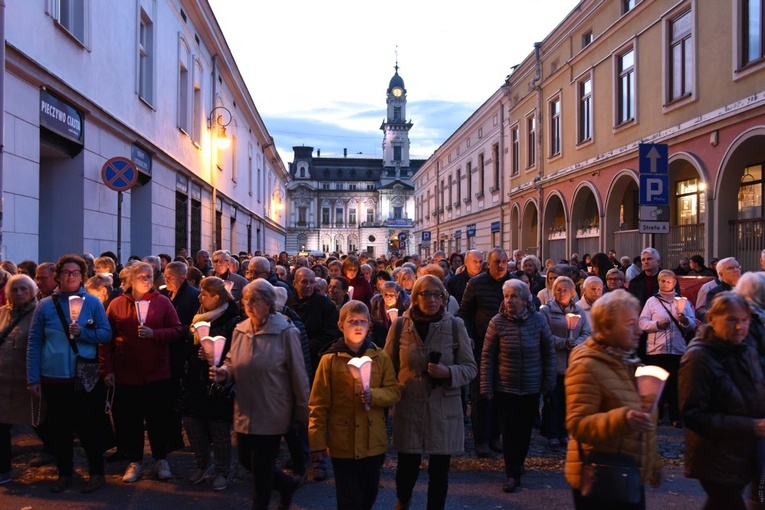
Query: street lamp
point(223, 142)
point(278, 195)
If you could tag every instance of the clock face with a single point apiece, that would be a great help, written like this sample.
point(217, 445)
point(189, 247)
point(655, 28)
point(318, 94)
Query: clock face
point(397, 92)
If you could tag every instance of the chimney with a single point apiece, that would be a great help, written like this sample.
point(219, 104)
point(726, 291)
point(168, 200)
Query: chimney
point(318, 153)
point(345, 153)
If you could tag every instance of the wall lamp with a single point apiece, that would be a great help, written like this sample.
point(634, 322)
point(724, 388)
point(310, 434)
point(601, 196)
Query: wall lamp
point(223, 142)
point(278, 196)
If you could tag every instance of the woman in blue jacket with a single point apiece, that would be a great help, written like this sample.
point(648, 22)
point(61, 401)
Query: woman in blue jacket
point(51, 370)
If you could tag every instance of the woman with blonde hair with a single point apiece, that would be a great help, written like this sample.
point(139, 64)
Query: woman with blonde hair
point(208, 408)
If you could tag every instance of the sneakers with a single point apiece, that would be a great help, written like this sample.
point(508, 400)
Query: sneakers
point(200, 475)
point(95, 483)
point(162, 468)
point(133, 473)
point(220, 482)
point(5, 478)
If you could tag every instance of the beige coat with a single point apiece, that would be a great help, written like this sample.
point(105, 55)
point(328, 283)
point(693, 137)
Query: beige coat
point(271, 382)
point(600, 389)
point(15, 402)
point(429, 419)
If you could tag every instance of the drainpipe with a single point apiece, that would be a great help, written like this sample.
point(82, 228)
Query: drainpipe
point(213, 149)
point(539, 143)
point(2, 117)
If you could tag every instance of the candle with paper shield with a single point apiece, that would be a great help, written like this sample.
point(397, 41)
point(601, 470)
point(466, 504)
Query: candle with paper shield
point(393, 314)
point(213, 347)
point(361, 370)
point(202, 329)
point(680, 304)
point(75, 307)
point(572, 319)
point(651, 380)
point(350, 292)
point(142, 309)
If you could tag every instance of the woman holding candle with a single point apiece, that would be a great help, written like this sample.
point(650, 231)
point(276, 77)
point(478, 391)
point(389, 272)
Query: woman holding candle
point(345, 419)
point(667, 317)
point(386, 306)
point(137, 363)
point(569, 327)
point(362, 289)
point(51, 370)
point(266, 362)
point(431, 351)
point(207, 407)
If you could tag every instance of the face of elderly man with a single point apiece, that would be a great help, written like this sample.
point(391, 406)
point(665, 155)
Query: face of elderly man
point(304, 282)
point(729, 271)
point(592, 291)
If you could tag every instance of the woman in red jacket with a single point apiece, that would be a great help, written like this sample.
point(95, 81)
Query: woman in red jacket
point(137, 362)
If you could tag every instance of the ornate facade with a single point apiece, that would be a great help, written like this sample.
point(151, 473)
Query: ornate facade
point(354, 203)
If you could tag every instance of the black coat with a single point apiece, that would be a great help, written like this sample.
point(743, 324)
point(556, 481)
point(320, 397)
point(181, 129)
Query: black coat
point(722, 394)
point(455, 285)
point(319, 317)
point(481, 301)
point(186, 304)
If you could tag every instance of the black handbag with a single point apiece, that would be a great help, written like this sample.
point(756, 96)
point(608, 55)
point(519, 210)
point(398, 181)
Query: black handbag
point(610, 477)
point(86, 369)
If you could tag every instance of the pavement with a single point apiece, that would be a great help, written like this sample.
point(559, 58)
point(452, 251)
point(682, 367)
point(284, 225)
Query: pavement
point(473, 483)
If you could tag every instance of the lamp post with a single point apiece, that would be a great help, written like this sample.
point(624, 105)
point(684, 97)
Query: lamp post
point(222, 142)
point(277, 197)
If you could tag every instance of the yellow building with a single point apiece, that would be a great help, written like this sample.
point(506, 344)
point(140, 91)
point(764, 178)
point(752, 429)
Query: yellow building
point(553, 154)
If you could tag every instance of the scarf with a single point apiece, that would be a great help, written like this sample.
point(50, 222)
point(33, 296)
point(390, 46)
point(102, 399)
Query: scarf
point(629, 358)
point(418, 316)
point(509, 314)
point(668, 297)
point(208, 316)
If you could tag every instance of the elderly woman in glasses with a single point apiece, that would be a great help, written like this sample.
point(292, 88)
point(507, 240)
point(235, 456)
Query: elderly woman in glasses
point(137, 363)
point(51, 367)
point(433, 357)
point(614, 280)
point(266, 362)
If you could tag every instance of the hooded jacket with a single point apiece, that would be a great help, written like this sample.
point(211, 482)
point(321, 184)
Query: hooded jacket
point(338, 419)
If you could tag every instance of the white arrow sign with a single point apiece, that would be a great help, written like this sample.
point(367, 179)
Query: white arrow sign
point(653, 155)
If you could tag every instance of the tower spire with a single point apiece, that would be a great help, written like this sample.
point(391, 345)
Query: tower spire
point(396, 66)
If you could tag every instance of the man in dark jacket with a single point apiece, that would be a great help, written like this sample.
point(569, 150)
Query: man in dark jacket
point(222, 271)
point(698, 268)
point(455, 285)
point(260, 267)
point(185, 299)
point(729, 272)
point(480, 303)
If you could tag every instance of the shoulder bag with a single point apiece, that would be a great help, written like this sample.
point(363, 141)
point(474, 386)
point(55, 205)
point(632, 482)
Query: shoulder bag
point(610, 477)
point(86, 371)
point(687, 333)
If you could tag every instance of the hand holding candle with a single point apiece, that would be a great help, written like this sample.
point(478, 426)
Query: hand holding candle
point(680, 304)
point(393, 314)
point(361, 370)
point(75, 308)
point(350, 292)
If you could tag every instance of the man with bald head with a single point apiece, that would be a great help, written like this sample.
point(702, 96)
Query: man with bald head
point(260, 267)
point(457, 283)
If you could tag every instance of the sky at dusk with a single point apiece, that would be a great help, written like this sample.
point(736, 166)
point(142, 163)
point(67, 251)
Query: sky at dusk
point(318, 71)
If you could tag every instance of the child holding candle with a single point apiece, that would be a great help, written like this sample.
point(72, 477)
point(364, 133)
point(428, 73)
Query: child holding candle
point(339, 421)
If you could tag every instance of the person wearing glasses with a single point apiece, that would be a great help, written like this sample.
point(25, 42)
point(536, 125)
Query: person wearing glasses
point(266, 363)
point(137, 364)
point(433, 358)
point(614, 280)
point(347, 420)
point(51, 371)
point(220, 260)
point(389, 297)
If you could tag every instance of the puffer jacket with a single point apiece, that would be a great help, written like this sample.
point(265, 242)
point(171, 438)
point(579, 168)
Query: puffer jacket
point(670, 340)
point(722, 393)
point(428, 418)
point(480, 303)
point(337, 418)
point(556, 318)
point(600, 390)
point(133, 360)
point(518, 357)
point(49, 354)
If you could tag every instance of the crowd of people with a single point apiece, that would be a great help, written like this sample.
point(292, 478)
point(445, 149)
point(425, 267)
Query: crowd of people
point(325, 352)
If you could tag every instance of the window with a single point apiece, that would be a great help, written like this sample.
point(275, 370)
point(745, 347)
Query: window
point(459, 186)
point(681, 56)
point(302, 215)
point(555, 127)
point(71, 16)
point(396, 153)
point(352, 216)
point(495, 160)
point(325, 215)
point(197, 117)
point(146, 58)
point(586, 39)
point(481, 173)
point(396, 113)
point(339, 186)
point(352, 187)
point(339, 215)
point(627, 6)
point(234, 167)
point(370, 187)
point(516, 161)
point(585, 110)
point(691, 202)
point(370, 215)
point(325, 185)
point(249, 169)
point(398, 212)
point(184, 86)
point(752, 31)
point(441, 202)
point(750, 193)
point(469, 177)
point(531, 141)
point(451, 193)
point(625, 87)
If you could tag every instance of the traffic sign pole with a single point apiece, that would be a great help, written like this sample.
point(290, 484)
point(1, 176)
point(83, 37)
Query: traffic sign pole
point(119, 174)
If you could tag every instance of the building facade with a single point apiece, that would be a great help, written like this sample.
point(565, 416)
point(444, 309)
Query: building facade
point(353, 203)
point(152, 81)
point(567, 124)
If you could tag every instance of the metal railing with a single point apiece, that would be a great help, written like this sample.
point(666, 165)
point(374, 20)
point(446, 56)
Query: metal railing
point(747, 240)
point(682, 241)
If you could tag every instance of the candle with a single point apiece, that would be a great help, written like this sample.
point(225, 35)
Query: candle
point(680, 304)
point(393, 314)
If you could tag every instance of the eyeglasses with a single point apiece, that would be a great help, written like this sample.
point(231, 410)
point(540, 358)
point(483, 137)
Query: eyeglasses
point(67, 274)
point(219, 261)
point(615, 279)
point(430, 295)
